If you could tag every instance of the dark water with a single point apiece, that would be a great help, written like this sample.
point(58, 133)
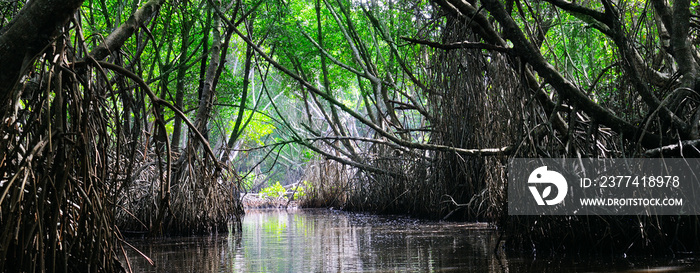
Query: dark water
point(332, 241)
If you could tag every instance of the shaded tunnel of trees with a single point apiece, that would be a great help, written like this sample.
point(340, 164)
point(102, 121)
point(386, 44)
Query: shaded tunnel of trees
point(152, 117)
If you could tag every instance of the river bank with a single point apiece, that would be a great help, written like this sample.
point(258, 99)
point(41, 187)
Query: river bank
point(253, 201)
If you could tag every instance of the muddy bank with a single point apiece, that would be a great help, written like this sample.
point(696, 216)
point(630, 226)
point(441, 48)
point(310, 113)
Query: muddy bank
point(256, 201)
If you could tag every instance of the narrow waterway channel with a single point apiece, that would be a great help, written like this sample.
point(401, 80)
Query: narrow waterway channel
point(321, 240)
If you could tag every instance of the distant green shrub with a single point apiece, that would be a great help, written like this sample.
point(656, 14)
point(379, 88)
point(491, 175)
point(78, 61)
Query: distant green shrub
point(275, 191)
point(300, 190)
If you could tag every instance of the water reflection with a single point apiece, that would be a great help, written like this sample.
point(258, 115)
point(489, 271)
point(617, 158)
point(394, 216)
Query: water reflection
point(317, 241)
point(331, 241)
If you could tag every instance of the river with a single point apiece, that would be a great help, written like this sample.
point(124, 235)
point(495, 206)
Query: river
point(322, 240)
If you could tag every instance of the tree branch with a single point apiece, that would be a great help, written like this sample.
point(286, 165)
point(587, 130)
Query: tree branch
point(482, 26)
point(155, 99)
point(680, 46)
point(664, 12)
point(596, 18)
point(375, 127)
point(118, 37)
point(604, 23)
point(568, 90)
point(687, 148)
point(32, 29)
point(458, 45)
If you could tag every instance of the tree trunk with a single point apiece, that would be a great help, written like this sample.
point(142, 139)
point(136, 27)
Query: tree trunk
point(237, 128)
point(206, 101)
point(36, 25)
point(180, 84)
point(119, 36)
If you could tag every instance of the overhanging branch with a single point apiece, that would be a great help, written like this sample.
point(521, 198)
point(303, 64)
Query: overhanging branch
point(362, 119)
point(568, 90)
point(458, 45)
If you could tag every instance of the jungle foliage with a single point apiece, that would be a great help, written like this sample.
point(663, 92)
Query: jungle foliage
point(154, 116)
